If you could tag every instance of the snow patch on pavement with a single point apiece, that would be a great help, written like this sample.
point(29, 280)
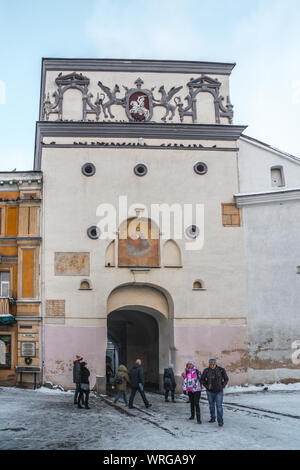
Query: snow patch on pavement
point(258, 388)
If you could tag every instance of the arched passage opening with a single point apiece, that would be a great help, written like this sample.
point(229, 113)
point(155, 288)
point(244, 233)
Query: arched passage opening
point(135, 335)
point(140, 325)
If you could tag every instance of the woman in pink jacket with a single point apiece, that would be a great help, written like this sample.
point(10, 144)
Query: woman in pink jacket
point(192, 386)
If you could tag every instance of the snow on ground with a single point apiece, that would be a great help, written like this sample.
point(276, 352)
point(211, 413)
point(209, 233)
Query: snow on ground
point(48, 419)
point(255, 388)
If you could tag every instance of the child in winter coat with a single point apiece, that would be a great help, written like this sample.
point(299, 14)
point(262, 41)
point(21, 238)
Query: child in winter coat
point(192, 386)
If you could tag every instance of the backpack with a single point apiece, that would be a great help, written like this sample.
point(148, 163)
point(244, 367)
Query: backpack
point(118, 380)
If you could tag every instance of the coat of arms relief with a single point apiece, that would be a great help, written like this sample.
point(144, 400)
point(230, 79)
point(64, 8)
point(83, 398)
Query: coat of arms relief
point(137, 101)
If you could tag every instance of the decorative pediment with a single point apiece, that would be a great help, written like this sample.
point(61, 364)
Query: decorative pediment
point(204, 81)
point(72, 79)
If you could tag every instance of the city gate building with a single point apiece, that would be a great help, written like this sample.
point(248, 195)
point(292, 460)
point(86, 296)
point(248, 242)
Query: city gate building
point(157, 132)
point(142, 134)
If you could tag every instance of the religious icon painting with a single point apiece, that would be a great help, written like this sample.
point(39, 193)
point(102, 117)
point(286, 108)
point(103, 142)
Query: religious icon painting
point(138, 243)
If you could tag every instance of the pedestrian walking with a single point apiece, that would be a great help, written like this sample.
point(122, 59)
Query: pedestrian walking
point(182, 375)
point(169, 383)
point(215, 379)
point(76, 377)
point(137, 383)
point(192, 386)
point(121, 381)
point(84, 386)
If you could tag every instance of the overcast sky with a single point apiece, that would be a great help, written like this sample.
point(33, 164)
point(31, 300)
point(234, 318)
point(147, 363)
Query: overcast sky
point(261, 36)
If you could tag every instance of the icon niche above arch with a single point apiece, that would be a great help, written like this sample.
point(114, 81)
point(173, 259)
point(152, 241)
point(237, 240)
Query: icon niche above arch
point(171, 255)
point(138, 243)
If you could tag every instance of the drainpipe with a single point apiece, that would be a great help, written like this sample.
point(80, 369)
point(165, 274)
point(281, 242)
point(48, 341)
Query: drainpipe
point(42, 284)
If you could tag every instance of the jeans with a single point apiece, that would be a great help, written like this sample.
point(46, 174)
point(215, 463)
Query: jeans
point(120, 394)
point(132, 395)
point(194, 401)
point(84, 397)
point(215, 400)
point(77, 392)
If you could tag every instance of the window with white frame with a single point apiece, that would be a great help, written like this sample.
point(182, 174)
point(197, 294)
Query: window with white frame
point(4, 284)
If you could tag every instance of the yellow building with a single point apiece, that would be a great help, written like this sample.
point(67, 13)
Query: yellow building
point(20, 220)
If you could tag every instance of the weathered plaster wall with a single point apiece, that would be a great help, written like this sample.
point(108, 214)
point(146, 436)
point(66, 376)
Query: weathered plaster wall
point(273, 288)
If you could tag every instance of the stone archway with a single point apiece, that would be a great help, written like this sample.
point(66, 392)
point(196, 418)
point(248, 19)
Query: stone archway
point(140, 320)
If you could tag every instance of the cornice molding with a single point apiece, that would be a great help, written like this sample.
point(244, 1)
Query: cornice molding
point(137, 65)
point(132, 130)
point(267, 197)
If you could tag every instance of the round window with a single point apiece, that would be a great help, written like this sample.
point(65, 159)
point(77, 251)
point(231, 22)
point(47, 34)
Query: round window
point(140, 169)
point(88, 169)
point(200, 168)
point(93, 232)
point(192, 231)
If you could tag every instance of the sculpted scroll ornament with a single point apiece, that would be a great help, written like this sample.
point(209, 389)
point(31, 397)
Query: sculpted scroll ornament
point(204, 84)
point(67, 82)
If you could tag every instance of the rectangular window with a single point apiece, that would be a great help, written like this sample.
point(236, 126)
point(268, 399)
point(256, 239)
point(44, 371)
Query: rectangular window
point(4, 284)
point(5, 351)
point(231, 215)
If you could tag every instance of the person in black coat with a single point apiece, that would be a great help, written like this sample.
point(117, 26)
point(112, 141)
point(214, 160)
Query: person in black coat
point(137, 383)
point(76, 377)
point(169, 383)
point(84, 386)
point(215, 379)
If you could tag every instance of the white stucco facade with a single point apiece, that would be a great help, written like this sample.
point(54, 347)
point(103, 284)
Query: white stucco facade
point(236, 297)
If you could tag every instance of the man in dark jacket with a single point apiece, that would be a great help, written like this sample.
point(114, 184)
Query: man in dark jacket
point(169, 383)
point(137, 383)
point(215, 379)
point(76, 377)
point(84, 386)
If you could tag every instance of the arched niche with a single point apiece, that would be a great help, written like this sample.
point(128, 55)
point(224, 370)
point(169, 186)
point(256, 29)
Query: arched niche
point(110, 254)
point(85, 284)
point(205, 108)
point(171, 254)
point(138, 243)
point(72, 107)
point(198, 285)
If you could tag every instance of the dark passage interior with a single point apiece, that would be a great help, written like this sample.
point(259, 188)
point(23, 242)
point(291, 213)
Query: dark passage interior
point(135, 335)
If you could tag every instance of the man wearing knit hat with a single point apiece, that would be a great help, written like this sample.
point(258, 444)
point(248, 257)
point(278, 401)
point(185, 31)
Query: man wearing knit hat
point(215, 379)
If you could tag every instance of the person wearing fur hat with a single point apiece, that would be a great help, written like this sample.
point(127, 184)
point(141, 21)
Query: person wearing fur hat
point(215, 379)
point(192, 386)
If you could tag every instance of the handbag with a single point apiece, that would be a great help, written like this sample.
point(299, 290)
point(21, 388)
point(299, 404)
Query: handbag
point(85, 387)
point(141, 387)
